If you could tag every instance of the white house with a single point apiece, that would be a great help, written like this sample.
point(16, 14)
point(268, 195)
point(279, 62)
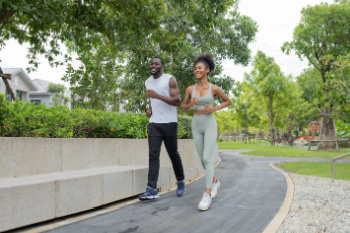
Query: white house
point(41, 96)
point(20, 84)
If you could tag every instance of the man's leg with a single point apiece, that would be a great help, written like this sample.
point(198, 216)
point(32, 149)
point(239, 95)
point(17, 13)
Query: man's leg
point(154, 145)
point(169, 132)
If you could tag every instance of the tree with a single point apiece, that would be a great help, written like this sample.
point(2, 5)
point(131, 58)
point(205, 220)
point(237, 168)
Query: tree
point(321, 36)
point(270, 88)
point(246, 113)
point(133, 31)
point(340, 75)
point(297, 112)
point(94, 83)
point(226, 122)
point(58, 97)
point(44, 24)
point(309, 82)
point(180, 40)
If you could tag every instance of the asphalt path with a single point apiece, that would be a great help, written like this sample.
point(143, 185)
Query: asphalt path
point(250, 195)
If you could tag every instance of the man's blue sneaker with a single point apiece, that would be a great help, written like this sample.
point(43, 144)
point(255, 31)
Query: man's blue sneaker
point(150, 194)
point(180, 188)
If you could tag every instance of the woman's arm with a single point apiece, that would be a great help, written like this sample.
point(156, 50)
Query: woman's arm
point(188, 102)
point(226, 100)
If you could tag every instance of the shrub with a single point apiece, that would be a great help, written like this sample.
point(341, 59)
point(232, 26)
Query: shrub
point(184, 127)
point(343, 131)
point(24, 119)
point(4, 111)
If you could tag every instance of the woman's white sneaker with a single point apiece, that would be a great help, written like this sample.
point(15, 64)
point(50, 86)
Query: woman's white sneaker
point(205, 202)
point(214, 190)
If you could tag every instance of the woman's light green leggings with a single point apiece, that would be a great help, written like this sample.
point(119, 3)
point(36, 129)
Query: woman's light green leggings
point(204, 131)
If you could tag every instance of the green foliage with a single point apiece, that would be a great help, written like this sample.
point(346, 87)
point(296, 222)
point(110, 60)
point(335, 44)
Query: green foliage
point(184, 127)
point(42, 25)
point(343, 129)
point(4, 112)
point(180, 40)
point(272, 90)
point(268, 101)
point(24, 119)
point(319, 169)
point(57, 91)
point(322, 37)
point(246, 113)
point(226, 122)
point(310, 81)
point(339, 96)
point(128, 33)
point(94, 83)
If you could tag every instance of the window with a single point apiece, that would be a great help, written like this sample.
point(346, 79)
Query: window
point(36, 102)
point(19, 95)
point(8, 96)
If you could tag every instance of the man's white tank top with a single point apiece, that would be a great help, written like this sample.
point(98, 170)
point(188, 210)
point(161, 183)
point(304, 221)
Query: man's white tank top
point(161, 111)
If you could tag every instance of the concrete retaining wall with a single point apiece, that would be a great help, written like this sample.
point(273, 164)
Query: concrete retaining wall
point(46, 178)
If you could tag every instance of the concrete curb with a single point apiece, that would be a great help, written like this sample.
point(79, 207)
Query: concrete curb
point(277, 221)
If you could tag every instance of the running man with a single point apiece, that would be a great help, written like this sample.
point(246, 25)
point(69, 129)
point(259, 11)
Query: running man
point(165, 97)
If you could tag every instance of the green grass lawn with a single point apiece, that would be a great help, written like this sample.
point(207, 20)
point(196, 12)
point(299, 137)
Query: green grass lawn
point(260, 149)
point(342, 171)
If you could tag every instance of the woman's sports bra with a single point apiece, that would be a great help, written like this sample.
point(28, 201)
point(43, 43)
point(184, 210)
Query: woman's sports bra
point(203, 100)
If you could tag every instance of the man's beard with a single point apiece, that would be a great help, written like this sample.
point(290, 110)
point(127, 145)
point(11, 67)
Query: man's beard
point(156, 73)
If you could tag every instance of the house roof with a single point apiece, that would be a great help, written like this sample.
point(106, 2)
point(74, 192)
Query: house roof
point(23, 74)
point(41, 84)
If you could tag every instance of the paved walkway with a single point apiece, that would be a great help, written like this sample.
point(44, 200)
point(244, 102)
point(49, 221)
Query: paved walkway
point(250, 195)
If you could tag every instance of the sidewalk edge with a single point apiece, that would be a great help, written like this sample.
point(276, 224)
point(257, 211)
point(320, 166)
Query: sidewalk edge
point(277, 221)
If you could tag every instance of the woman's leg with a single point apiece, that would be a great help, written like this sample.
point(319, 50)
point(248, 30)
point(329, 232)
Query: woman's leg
point(209, 145)
point(198, 138)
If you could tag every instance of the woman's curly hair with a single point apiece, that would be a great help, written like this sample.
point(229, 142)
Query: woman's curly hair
point(207, 59)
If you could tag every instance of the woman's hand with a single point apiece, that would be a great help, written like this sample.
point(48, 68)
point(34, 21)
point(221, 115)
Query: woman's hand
point(209, 109)
point(194, 101)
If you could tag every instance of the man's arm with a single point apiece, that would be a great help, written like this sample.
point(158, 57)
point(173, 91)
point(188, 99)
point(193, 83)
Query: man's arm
point(174, 98)
point(149, 112)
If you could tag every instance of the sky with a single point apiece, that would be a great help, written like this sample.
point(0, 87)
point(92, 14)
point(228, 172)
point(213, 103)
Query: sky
point(276, 21)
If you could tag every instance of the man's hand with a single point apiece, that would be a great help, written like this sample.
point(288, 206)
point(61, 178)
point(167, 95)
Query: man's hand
point(174, 98)
point(149, 113)
point(152, 94)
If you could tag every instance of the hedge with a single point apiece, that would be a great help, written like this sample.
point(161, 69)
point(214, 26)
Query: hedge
point(24, 119)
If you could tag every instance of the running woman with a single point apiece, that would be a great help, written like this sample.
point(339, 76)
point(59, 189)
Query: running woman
point(204, 128)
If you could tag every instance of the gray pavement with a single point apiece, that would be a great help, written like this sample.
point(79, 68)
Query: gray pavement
point(250, 195)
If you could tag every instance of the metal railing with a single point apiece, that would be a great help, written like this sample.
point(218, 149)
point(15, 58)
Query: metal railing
point(333, 162)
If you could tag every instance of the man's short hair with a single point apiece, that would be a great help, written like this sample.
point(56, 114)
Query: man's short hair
point(159, 59)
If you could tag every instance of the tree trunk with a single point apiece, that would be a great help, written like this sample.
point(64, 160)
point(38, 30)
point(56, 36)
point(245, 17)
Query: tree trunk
point(271, 122)
point(246, 128)
point(8, 86)
point(327, 131)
